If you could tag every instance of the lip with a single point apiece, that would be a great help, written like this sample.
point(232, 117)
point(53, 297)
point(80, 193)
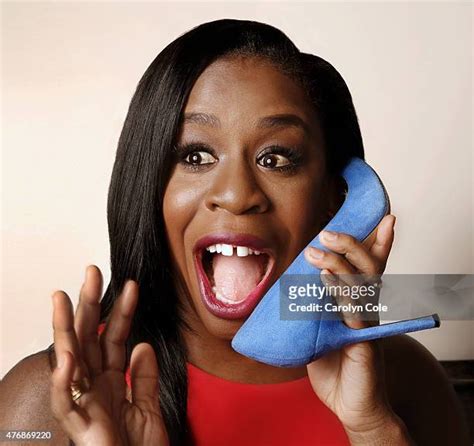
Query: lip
point(222, 309)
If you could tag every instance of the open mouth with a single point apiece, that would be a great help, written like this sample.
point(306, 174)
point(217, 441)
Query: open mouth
point(233, 271)
point(232, 277)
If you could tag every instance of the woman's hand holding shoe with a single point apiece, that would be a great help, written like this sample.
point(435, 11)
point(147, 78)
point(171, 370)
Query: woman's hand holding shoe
point(350, 381)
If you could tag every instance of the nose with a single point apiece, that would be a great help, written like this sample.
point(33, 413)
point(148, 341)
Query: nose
point(235, 188)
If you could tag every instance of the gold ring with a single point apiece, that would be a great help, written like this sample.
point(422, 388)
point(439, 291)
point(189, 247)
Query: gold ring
point(78, 388)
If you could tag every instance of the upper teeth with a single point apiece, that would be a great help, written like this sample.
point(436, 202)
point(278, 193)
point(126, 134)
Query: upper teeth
point(228, 250)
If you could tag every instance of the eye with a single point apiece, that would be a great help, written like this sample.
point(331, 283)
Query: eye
point(199, 158)
point(280, 158)
point(273, 160)
point(195, 156)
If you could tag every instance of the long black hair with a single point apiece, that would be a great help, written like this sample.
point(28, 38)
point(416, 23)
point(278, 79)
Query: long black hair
point(143, 163)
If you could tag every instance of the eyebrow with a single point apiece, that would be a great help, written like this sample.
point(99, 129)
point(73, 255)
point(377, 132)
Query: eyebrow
point(202, 118)
point(279, 120)
point(283, 120)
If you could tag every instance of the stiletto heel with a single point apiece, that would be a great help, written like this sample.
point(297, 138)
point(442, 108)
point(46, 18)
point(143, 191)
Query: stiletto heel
point(341, 335)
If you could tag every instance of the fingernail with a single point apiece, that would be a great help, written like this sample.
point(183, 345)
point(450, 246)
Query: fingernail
point(316, 253)
point(329, 235)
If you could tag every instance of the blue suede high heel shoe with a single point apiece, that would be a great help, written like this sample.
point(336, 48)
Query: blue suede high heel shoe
point(267, 338)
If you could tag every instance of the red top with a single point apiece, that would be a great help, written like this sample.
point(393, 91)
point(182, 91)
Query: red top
point(230, 413)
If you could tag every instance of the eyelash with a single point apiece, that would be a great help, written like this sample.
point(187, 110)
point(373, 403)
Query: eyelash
point(183, 151)
point(294, 156)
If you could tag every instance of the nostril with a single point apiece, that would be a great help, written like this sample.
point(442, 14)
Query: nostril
point(240, 197)
point(239, 208)
point(256, 209)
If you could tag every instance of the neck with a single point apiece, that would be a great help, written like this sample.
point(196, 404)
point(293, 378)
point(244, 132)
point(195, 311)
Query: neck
point(215, 356)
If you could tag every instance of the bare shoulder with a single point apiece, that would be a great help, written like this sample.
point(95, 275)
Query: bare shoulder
point(25, 397)
point(421, 394)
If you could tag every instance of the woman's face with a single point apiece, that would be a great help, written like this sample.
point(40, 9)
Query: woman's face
point(247, 192)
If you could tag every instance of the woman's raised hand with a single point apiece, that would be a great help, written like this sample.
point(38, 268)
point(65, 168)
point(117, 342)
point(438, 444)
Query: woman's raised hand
point(103, 415)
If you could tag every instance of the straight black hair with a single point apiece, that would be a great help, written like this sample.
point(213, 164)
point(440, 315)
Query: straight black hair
point(142, 167)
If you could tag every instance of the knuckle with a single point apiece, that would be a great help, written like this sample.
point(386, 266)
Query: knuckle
point(336, 260)
point(350, 242)
point(347, 238)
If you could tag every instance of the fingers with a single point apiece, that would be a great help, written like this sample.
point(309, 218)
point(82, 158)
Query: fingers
point(349, 256)
point(384, 239)
point(64, 334)
point(351, 264)
point(351, 250)
point(86, 320)
point(144, 374)
point(352, 300)
point(332, 263)
point(65, 411)
point(112, 340)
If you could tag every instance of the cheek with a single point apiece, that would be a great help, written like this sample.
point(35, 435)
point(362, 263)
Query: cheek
point(180, 203)
point(308, 204)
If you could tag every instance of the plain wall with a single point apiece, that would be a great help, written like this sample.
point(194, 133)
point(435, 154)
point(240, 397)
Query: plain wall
point(69, 71)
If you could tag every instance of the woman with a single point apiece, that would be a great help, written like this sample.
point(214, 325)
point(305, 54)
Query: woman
point(232, 137)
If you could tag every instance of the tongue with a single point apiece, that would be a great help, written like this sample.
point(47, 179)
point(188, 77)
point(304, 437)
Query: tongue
point(235, 277)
